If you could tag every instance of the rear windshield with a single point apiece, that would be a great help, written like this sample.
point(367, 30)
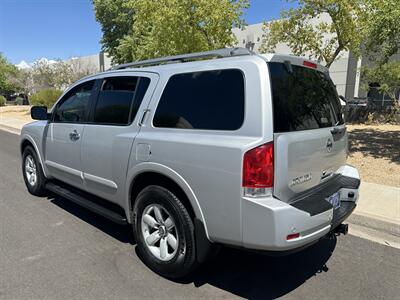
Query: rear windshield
point(303, 98)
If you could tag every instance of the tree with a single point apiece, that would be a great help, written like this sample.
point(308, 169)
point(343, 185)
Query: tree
point(167, 27)
point(323, 41)
point(386, 76)
point(383, 29)
point(116, 20)
point(7, 73)
point(60, 74)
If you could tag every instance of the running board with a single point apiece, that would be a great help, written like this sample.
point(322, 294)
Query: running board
point(85, 202)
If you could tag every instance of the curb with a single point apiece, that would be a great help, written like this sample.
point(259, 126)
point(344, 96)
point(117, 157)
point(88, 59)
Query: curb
point(376, 224)
point(376, 230)
point(10, 129)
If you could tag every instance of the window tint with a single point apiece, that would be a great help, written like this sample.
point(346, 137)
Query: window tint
point(303, 98)
point(74, 105)
point(139, 95)
point(202, 100)
point(117, 98)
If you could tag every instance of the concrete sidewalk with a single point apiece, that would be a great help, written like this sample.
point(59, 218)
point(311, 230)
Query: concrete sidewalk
point(377, 201)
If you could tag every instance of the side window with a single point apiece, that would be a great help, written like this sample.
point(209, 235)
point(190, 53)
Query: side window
point(211, 100)
point(75, 104)
point(119, 99)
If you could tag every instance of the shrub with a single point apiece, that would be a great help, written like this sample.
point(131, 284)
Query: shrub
point(2, 100)
point(45, 97)
point(19, 101)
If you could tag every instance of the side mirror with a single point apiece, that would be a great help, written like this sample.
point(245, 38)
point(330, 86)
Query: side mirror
point(343, 100)
point(39, 113)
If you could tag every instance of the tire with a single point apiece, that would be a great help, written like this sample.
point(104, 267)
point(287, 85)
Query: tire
point(173, 262)
point(32, 172)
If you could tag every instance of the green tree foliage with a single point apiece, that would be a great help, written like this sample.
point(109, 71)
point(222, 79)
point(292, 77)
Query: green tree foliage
point(386, 75)
point(7, 75)
point(383, 29)
point(116, 20)
point(2, 101)
point(152, 28)
point(45, 97)
point(322, 41)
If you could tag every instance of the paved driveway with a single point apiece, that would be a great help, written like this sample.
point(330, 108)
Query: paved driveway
point(51, 248)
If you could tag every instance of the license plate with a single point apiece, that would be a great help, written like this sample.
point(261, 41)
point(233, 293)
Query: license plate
point(334, 200)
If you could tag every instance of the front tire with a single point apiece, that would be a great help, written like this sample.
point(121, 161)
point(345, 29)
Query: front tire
point(164, 232)
point(32, 172)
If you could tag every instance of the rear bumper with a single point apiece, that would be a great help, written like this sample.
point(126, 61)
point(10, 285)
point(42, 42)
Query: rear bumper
point(267, 222)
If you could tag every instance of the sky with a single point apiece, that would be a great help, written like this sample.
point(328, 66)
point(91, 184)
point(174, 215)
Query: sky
point(60, 29)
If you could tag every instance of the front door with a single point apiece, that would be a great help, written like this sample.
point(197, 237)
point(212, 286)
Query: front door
point(64, 135)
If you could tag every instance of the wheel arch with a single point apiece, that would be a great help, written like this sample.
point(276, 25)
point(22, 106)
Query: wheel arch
point(146, 174)
point(27, 140)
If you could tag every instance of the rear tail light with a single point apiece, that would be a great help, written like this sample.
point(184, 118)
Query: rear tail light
point(309, 64)
point(258, 171)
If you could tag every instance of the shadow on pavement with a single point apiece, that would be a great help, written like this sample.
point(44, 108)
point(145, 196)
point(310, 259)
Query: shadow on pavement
point(245, 274)
point(257, 276)
point(377, 143)
point(122, 233)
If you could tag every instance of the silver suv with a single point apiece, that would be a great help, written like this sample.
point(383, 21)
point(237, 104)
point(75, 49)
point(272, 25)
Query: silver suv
point(225, 147)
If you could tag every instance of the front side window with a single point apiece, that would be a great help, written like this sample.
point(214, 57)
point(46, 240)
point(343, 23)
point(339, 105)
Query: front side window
point(73, 107)
point(119, 99)
point(212, 100)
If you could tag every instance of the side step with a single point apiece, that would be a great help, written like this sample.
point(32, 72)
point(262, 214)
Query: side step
point(79, 198)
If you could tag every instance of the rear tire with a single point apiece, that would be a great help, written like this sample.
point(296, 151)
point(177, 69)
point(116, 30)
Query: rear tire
point(164, 233)
point(32, 172)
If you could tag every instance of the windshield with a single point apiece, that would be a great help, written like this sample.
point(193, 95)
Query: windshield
point(303, 98)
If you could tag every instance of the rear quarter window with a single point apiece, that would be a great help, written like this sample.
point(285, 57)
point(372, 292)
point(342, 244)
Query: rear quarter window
point(303, 99)
point(211, 100)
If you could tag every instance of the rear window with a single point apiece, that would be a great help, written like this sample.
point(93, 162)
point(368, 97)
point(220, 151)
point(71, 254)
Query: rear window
point(211, 100)
point(303, 98)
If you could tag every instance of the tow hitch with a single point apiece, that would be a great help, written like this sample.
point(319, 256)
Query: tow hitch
point(342, 229)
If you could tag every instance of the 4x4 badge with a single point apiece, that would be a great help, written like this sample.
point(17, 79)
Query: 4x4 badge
point(329, 145)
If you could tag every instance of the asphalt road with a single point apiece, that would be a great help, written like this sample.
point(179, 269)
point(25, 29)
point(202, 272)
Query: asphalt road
point(51, 248)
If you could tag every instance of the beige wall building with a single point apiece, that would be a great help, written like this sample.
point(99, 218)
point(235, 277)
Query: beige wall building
point(343, 71)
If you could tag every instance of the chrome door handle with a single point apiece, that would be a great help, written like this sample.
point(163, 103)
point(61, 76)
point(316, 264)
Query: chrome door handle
point(74, 135)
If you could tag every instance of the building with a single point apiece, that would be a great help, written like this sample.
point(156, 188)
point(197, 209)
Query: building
point(344, 71)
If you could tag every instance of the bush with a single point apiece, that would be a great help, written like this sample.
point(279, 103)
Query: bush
point(2, 100)
point(19, 101)
point(45, 97)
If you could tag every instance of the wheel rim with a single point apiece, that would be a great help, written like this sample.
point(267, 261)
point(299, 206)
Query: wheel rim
point(30, 170)
point(159, 232)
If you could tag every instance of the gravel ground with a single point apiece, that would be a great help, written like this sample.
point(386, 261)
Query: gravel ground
point(375, 151)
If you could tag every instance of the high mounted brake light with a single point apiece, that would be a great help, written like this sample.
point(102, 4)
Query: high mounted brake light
point(309, 64)
point(258, 170)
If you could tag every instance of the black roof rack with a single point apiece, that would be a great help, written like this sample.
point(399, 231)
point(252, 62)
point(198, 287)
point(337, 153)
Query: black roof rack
point(220, 53)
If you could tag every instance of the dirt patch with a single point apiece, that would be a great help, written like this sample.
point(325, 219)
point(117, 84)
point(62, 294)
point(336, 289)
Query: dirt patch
point(22, 113)
point(15, 108)
point(375, 151)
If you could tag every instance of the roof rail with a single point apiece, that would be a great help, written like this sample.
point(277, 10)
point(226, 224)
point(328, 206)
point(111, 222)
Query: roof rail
point(220, 53)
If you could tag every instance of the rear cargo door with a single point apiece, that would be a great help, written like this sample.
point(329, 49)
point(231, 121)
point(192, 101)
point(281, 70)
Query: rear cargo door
point(310, 138)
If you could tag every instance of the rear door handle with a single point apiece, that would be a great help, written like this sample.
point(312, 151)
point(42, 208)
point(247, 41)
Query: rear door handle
point(143, 118)
point(74, 136)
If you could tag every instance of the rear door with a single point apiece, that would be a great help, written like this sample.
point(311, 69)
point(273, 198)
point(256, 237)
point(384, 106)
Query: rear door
point(113, 126)
point(310, 138)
